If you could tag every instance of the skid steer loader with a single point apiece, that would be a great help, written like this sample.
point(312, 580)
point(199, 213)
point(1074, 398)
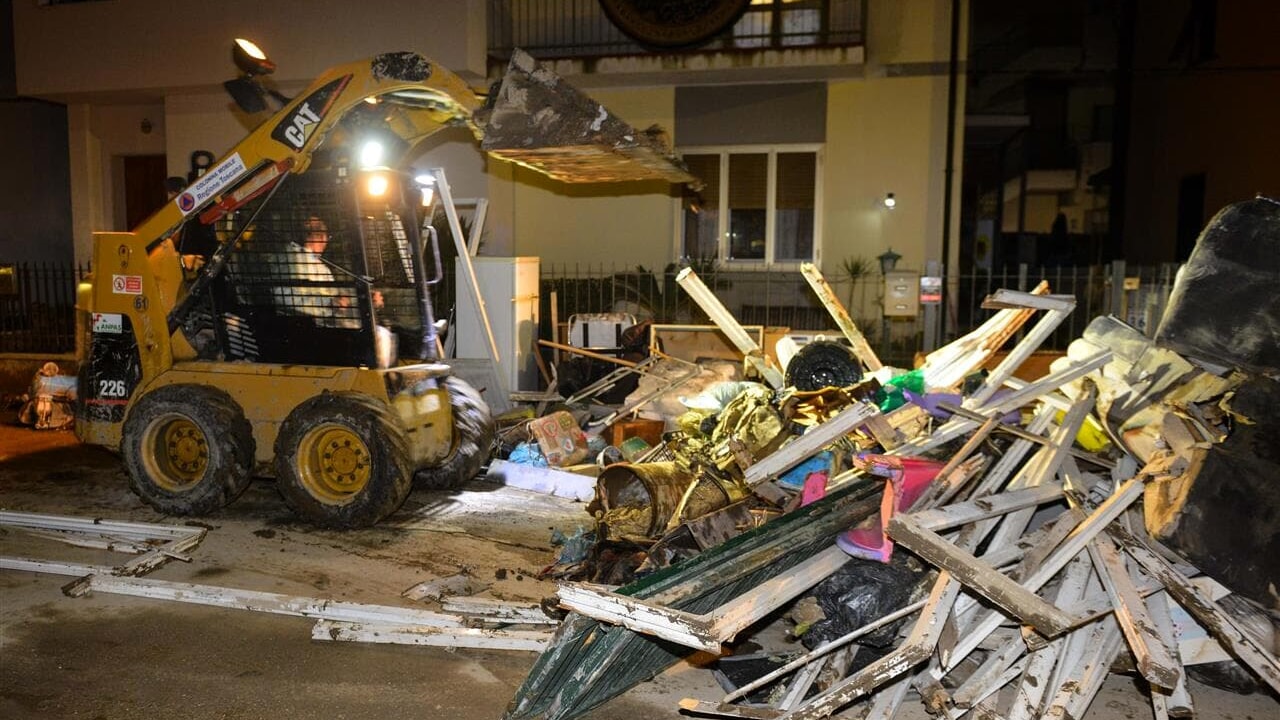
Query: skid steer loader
point(275, 317)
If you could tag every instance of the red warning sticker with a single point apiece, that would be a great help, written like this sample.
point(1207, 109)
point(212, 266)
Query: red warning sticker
point(126, 284)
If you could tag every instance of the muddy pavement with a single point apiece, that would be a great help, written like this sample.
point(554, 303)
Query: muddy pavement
point(107, 657)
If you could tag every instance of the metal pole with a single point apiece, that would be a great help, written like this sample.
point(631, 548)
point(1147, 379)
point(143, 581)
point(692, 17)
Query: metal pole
point(464, 259)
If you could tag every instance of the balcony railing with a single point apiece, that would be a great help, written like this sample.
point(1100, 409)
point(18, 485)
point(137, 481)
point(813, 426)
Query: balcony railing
point(555, 29)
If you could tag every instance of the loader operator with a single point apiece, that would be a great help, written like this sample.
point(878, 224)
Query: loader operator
point(311, 288)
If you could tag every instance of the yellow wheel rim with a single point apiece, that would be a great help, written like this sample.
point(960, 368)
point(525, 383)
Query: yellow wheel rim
point(175, 452)
point(334, 464)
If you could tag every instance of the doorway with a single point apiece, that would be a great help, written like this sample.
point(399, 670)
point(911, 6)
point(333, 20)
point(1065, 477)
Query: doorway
point(144, 177)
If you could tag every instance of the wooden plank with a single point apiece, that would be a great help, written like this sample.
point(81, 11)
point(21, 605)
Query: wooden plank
point(52, 567)
point(808, 444)
point(1011, 362)
point(97, 526)
point(1176, 702)
point(276, 603)
point(492, 610)
point(955, 427)
point(709, 630)
point(720, 315)
point(1017, 600)
point(482, 639)
point(1075, 543)
point(1224, 628)
point(957, 514)
point(828, 298)
point(1154, 659)
point(1075, 694)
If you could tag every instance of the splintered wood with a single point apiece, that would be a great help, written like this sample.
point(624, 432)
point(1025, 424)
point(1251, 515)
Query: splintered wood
point(1066, 582)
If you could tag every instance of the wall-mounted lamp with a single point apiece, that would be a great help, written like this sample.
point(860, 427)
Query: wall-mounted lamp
point(888, 261)
point(890, 202)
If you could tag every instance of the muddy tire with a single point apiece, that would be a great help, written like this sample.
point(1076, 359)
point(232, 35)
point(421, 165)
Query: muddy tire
point(188, 449)
point(342, 461)
point(473, 437)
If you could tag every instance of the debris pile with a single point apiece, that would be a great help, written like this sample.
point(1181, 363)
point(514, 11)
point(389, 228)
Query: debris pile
point(983, 543)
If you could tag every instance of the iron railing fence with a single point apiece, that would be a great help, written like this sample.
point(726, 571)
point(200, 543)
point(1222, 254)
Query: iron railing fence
point(554, 29)
point(783, 298)
point(37, 300)
point(37, 306)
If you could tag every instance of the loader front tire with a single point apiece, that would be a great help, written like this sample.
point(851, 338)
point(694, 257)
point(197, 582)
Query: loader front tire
point(342, 461)
point(473, 437)
point(188, 449)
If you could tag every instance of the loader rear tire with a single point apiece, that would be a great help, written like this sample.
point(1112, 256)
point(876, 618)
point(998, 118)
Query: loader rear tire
point(188, 449)
point(473, 438)
point(342, 461)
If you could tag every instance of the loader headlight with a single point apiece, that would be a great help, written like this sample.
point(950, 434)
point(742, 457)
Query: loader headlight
point(376, 185)
point(371, 154)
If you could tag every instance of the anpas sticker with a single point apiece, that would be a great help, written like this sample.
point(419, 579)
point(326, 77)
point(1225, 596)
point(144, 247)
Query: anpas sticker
point(126, 284)
point(108, 323)
point(211, 183)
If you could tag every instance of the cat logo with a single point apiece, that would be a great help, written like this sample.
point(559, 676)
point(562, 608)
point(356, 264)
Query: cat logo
point(296, 129)
point(303, 117)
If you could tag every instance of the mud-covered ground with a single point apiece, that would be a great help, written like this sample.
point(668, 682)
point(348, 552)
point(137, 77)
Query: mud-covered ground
point(104, 657)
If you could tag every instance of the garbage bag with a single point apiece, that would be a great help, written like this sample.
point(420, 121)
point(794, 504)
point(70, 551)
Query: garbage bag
point(861, 592)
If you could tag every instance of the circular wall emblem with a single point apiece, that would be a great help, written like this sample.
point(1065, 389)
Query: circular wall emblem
point(673, 23)
point(186, 202)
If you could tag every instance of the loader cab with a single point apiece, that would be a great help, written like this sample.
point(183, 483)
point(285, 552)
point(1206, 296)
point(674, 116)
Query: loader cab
point(326, 272)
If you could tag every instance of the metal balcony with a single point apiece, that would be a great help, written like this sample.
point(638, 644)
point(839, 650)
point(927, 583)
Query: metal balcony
point(558, 29)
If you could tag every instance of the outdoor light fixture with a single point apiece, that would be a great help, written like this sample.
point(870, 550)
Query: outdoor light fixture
point(371, 154)
point(890, 201)
point(248, 92)
point(888, 259)
point(250, 58)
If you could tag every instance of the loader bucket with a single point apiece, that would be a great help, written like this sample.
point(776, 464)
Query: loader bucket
point(538, 120)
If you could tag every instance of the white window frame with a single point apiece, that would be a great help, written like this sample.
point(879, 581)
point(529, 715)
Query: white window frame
point(722, 221)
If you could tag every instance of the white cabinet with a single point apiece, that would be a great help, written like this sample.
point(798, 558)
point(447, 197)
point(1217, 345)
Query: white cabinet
point(509, 286)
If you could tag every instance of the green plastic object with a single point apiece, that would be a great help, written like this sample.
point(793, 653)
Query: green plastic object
point(890, 396)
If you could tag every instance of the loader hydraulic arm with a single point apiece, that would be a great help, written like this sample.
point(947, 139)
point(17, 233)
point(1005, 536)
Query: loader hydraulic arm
point(415, 96)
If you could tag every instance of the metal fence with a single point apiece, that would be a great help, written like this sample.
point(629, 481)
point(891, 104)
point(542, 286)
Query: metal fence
point(37, 307)
point(37, 300)
point(579, 28)
point(784, 298)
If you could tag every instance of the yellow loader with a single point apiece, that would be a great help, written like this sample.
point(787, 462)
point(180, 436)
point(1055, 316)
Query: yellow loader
point(274, 318)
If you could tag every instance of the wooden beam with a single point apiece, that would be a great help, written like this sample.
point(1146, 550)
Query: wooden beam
point(1018, 601)
point(808, 444)
point(1224, 628)
point(956, 514)
point(276, 603)
point(720, 315)
point(530, 641)
point(709, 630)
point(1154, 660)
point(1075, 543)
point(828, 298)
point(504, 611)
point(1176, 702)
